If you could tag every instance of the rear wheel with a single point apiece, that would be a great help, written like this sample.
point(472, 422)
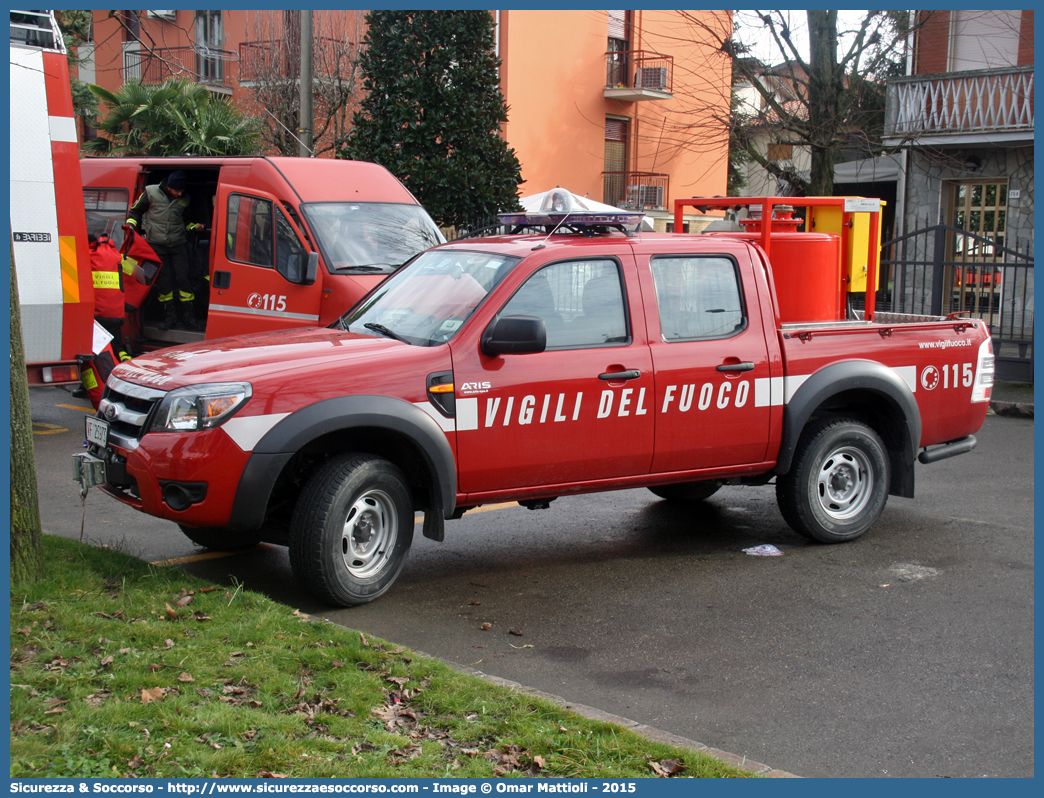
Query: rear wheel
point(837, 486)
point(220, 538)
point(351, 530)
point(687, 491)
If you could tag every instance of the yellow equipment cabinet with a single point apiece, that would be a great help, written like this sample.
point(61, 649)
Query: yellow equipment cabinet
point(855, 240)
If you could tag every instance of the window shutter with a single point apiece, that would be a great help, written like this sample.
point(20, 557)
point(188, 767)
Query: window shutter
point(617, 24)
point(615, 130)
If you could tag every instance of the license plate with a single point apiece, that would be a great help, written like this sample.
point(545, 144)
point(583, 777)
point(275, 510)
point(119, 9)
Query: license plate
point(97, 431)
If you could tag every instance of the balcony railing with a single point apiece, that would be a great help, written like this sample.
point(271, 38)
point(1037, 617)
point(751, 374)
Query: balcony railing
point(636, 191)
point(198, 64)
point(633, 75)
point(275, 58)
point(960, 104)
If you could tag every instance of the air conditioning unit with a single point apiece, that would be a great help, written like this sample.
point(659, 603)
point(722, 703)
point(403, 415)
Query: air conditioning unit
point(640, 197)
point(652, 78)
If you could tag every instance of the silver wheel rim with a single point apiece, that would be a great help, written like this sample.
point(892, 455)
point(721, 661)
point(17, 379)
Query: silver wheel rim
point(846, 483)
point(368, 537)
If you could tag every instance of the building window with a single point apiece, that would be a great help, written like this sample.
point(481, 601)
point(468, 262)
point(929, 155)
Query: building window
point(209, 37)
point(614, 191)
point(984, 39)
point(981, 208)
point(132, 62)
point(618, 61)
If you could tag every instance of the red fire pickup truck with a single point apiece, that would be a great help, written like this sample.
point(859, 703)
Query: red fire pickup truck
point(527, 367)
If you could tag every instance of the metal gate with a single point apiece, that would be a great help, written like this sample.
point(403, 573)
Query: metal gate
point(942, 269)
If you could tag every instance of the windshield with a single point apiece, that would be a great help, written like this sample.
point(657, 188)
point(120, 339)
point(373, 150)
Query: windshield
point(370, 236)
point(428, 301)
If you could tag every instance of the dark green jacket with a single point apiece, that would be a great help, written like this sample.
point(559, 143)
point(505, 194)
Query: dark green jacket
point(159, 216)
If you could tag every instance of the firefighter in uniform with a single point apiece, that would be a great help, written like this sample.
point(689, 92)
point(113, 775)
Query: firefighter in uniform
point(107, 276)
point(159, 214)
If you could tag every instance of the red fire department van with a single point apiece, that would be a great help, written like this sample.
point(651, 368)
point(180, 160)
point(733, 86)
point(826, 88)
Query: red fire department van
point(287, 242)
point(527, 367)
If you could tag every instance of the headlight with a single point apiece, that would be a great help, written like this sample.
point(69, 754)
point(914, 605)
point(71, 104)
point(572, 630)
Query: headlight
point(199, 406)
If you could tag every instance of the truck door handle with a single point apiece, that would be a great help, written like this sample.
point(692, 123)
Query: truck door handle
point(630, 374)
point(222, 279)
point(746, 366)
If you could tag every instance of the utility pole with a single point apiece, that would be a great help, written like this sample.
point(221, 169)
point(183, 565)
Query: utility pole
point(306, 116)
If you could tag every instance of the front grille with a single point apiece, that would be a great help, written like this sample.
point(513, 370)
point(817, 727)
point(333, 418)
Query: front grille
point(129, 409)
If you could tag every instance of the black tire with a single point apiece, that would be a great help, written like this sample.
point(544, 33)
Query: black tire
point(687, 491)
point(837, 485)
point(220, 538)
point(351, 530)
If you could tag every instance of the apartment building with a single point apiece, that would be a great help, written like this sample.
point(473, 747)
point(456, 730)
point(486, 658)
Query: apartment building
point(624, 107)
point(963, 118)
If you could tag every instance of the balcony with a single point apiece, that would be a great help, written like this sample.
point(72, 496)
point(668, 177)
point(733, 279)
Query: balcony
point(198, 64)
point(636, 191)
point(636, 75)
point(277, 59)
point(986, 105)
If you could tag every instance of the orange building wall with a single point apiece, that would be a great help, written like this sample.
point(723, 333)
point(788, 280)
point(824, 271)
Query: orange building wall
point(686, 136)
point(553, 77)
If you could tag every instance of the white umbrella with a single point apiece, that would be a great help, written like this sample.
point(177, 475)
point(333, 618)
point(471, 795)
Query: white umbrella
point(562, 201)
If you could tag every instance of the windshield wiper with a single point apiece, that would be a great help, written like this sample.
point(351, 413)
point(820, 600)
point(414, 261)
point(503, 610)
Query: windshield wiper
point(370, 325)
point(368, 267)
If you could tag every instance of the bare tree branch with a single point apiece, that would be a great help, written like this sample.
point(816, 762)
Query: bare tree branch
point(270, 74)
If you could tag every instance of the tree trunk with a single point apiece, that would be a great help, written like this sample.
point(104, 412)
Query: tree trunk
point(26, 560)
point(825, 85)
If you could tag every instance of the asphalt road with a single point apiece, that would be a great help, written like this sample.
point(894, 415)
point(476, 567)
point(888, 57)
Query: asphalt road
point(908, 653)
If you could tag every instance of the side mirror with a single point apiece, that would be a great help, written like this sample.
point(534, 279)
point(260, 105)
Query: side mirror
point(311, 269)
point(297, 273)
point(514, 335)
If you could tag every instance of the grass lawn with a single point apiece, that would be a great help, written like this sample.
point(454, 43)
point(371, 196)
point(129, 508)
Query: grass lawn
point(119, 668)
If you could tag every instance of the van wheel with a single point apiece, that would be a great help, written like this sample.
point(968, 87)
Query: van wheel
point(220, 538)
point(351, 530)
point(687, 491)
point(837, 486)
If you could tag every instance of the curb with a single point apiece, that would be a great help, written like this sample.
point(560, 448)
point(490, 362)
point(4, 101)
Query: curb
point(660, 736)
point(1012, 409)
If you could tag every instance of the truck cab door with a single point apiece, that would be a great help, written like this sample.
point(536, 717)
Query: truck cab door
point(258, 274)
point(579, 411)
point(713, 401)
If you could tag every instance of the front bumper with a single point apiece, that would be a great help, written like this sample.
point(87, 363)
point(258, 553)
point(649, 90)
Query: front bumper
point(189, 478)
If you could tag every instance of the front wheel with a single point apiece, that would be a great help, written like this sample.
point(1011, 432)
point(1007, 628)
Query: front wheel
point(351, 530)
point(837, 485)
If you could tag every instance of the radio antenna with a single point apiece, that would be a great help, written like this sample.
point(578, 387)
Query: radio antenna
point(543, 243)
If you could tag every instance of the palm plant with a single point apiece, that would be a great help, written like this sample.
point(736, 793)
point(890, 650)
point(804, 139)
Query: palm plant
point(176, 117)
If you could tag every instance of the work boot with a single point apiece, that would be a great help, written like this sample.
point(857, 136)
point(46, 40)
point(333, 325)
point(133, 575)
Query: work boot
point(188, 316)
point(170, 316)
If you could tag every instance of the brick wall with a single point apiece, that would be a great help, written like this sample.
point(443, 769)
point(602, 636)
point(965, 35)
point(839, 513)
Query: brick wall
point(932, 42)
